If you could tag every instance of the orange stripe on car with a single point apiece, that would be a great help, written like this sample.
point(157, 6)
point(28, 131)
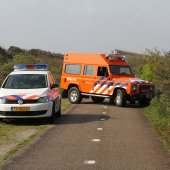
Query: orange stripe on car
point(10, 97)
point(32, 97)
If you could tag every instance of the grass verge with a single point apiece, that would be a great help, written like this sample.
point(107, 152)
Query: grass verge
point(9, 129)
point(158, 114)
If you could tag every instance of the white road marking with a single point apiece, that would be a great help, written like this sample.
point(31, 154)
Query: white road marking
point(105, 107)
point(89, 162)
point(104, 113)
point(102, 119)
point(100, 129)
point(95, 140)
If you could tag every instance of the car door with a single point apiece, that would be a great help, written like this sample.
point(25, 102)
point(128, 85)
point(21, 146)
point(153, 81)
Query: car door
point(87, 80)
point(55, 91)
point(102, 80)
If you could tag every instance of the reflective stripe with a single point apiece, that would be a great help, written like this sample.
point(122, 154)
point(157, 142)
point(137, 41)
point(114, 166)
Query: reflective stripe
point(117, 85)
point(32, 97)
point(108, 90)
point(125, 85)
point(98, 81)
point(10, 98)
point(104, 82)
point(107, 87)
point(21, 97)
point(101, 89)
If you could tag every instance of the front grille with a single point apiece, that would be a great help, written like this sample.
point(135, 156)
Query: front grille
point(24, 101)
point(144, 88)
point(30, 113)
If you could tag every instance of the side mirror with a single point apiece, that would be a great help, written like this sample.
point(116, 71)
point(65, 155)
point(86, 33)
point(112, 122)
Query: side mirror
point(55, 85)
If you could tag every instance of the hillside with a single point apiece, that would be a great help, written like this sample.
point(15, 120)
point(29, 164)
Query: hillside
point(152, 66)
point(15, 55)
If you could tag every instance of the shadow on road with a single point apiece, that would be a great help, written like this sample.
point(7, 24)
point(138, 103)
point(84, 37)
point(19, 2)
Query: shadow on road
point(25, 122)
point(106, 102)
point(81, 118)
point(65, 119)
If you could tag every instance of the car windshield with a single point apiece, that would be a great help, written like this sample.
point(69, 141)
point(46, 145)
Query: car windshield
point(120, 70)
point(26, 81)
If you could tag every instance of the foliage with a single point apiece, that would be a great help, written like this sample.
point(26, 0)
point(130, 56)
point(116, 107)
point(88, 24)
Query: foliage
point(15, 50)
point(4, 55)
point(18, 59)
point(155, 67)
point(15, 55)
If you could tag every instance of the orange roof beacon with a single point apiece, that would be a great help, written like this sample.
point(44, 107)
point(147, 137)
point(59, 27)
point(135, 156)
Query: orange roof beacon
point(103, 76)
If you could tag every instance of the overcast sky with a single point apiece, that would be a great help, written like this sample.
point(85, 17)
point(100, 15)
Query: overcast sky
point(96, 26)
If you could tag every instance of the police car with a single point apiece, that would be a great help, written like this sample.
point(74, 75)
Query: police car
point(30, 92)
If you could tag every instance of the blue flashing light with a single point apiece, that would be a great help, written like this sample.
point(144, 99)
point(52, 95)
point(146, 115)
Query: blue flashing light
point(31, 67)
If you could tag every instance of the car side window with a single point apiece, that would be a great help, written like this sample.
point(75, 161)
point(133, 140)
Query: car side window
point(102, 71)
point(73, 69)
point(89, 70)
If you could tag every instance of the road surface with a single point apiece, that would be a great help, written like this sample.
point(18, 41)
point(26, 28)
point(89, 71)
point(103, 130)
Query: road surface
point(95, 137)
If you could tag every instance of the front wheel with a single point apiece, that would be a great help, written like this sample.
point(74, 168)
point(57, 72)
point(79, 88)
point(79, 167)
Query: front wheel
point(58, 113)
point(53, 116)
point(74, 95)
point(97, 99)
point(120, 98)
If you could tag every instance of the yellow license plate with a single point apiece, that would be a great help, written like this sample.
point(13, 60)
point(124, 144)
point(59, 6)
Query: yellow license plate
point(144, 90)
point(20, 109)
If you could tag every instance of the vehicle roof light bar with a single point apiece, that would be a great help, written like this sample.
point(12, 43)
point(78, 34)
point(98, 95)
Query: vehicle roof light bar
point(113, 57)
point(21, 67)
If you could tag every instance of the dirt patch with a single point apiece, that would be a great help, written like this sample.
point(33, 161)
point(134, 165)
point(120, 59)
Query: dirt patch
point(18, 137)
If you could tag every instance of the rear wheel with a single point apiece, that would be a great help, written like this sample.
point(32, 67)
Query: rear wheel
point(74, 95)
point(120, 98)
point(97, 99)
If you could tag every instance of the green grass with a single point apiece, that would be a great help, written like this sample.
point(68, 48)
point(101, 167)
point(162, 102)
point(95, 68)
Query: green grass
point(9, 128)
point(17, 147)
point(65, 104)
point(158, 114)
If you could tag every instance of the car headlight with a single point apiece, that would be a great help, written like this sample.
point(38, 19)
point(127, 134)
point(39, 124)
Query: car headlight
point(44, 99)
point(2, 100)
point(134, 88)
point(152, 89)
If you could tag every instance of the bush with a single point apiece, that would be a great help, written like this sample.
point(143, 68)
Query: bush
point(18, 59)
point(158, 113)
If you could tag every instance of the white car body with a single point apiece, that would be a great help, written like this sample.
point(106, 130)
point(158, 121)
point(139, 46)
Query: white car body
point(12, 100)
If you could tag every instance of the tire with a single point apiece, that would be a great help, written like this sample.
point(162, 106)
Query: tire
point(120, 98)
point(64, 94)
point(58, 113)
point(97, 99)
point(111, 100)
point(53, 116)
point(1, 119)
point(74, 95)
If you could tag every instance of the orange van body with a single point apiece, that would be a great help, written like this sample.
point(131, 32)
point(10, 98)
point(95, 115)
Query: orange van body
point(103, 76)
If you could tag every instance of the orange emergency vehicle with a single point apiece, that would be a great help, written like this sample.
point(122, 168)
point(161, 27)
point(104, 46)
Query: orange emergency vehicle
point(103, 76)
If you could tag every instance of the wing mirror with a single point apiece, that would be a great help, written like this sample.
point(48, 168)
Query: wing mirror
point(55, 85)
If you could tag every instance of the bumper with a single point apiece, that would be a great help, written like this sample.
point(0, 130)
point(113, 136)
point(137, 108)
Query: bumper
point(137, 97)
point(37, 110)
